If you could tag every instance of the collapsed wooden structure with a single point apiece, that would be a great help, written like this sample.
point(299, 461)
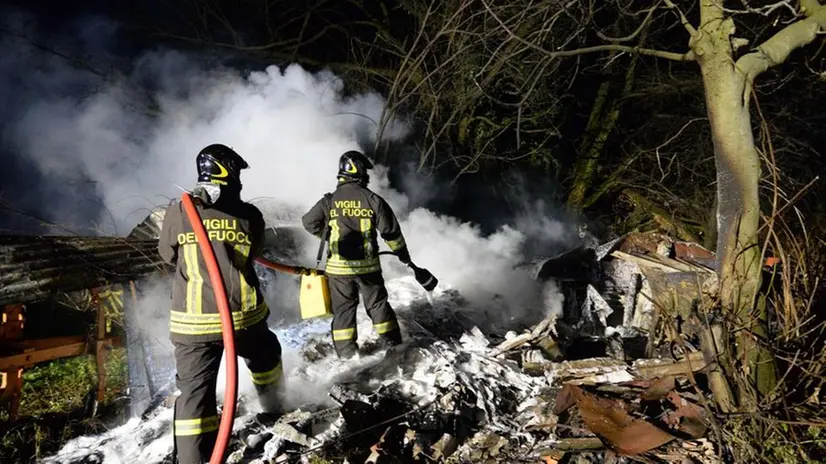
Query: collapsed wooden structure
point(34, 269)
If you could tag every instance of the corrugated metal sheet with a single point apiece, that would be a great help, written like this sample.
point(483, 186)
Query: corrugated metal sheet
point(33, 268)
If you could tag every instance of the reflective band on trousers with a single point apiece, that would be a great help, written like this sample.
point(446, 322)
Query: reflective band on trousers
point(210, 323)
point(384, 327)
point(268, 377)
point(353, 267)
point(344, 334)
point(188, 427)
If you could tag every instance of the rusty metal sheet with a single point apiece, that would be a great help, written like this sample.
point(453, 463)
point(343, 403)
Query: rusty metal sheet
point(692, 252)
point(659, 388)
point(688, 418)
point(609, 419)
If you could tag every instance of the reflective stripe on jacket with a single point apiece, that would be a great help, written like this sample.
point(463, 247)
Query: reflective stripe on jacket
point(356, 216)
point(236, 231)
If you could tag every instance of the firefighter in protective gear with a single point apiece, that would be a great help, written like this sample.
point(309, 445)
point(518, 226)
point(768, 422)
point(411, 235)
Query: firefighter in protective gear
point(236, 231)
point(354, 216)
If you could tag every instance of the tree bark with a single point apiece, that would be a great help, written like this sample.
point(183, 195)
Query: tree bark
point(738, 175)
point(728, 84)
point(597, 133)
point(601, 125)
point(664, 220)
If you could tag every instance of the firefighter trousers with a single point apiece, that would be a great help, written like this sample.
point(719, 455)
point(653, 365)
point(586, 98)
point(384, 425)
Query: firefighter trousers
point(196, 419)
point(344, 298)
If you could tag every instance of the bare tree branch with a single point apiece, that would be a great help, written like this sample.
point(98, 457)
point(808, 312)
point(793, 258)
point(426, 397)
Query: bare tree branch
point(764, 10)
point(777, 48)
point(634, 34)
point(692, 31)
point(73, 60)
point(688, 56)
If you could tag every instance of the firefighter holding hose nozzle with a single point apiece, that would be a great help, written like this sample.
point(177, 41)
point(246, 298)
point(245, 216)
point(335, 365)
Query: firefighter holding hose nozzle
point(354, 216)
point(236, 231)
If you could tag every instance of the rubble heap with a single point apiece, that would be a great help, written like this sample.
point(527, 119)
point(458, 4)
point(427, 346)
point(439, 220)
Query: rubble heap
point(612, 377)
point(471, 401)
point(604, 379)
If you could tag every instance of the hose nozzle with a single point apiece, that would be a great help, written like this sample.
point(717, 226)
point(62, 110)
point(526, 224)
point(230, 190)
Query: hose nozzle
point(427, 280)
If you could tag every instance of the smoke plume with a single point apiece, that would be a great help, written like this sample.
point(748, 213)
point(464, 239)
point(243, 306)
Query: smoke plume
point(101, 151)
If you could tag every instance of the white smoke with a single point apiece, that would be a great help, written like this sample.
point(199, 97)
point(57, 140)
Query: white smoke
point(289, 124)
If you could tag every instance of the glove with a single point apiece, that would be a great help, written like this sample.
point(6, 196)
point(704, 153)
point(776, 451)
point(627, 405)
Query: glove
point(302, 270)
point(403, 255)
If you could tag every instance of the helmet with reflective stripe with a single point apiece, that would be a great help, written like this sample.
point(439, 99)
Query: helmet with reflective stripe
point(354, 165)
point(220, 165)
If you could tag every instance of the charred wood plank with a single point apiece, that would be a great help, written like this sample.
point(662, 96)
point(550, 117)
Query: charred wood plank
point(610, 370)
point(34, 268)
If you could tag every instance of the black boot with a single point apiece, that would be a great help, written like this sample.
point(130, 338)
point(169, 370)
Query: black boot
point(390, 339)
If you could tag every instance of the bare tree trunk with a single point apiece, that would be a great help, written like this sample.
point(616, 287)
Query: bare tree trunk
point(728, 84)
point(738, 212)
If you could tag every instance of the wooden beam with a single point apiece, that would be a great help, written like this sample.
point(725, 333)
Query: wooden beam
point(602, 370)
point(19, 354)
point(12, 382)
point(11, 330)
point(573, 444)
point(100, 352)
point(653, 368)
point(50, 351)
point(33, 357)
point(25, 346)
point(12, 322)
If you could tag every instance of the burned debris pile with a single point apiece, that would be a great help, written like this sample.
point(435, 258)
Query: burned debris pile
point(620, 373)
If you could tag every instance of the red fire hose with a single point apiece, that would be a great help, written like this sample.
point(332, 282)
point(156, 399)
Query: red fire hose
point(227, 331)
point(279, 267)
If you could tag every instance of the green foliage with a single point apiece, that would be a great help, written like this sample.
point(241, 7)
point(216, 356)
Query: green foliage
point(543, 158)
point(781, 443)
point(315, 459)
point(117, 374)
point(57, 386)
point(61, 385)
point(52, 401)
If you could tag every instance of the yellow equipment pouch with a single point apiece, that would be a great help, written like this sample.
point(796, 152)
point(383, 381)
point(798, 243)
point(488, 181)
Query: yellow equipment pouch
point(314, 297)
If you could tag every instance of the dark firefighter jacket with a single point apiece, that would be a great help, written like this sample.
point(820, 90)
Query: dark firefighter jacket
point(236, 231)
point(354, 214)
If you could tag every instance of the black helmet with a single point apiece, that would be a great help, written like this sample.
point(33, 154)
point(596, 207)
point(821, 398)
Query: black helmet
point(354, 165)
point(220, 165)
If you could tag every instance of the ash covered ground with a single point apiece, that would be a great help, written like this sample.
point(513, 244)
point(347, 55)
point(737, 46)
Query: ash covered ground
point(442, 392)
